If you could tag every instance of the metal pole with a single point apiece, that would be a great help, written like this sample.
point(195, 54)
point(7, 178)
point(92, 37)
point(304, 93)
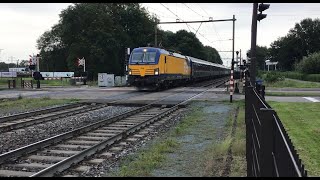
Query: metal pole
point(155, 35)
point(240, 57)
point(253, 44)
point(240, 67)
point(232, 61)
point(38, 65)
point(84, 65)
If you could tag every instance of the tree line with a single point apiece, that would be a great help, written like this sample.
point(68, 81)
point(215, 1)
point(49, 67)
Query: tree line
point(299, 50)
point(101, 32)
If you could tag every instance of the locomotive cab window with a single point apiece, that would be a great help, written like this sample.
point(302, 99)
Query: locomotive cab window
point(143, 57)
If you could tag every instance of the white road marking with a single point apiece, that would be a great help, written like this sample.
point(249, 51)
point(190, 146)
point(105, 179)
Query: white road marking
point(311, 99)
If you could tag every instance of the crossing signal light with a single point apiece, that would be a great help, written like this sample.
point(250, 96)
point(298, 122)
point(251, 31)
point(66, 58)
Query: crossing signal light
point(261, 16)
point(262, 7)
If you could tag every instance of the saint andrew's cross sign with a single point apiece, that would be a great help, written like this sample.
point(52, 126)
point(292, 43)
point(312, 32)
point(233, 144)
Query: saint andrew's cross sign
point(82, 62)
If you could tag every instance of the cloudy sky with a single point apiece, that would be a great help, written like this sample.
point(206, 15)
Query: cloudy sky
point(23, 23)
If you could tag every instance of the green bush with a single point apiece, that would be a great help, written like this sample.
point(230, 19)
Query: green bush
point(272, 76)
point(309, 64)
point(312, 77)
point(294, 75)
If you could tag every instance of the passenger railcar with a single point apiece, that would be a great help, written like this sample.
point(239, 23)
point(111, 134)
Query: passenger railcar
point(154, 68)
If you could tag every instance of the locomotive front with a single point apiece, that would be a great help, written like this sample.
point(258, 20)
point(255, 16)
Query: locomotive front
point(143, 67)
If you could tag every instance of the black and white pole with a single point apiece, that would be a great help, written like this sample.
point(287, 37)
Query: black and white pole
point(232, 61)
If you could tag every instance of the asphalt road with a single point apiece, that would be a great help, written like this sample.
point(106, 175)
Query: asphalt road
point(86, 92)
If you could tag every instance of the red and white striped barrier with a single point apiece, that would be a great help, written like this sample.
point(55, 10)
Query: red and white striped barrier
point(53, 78)
point(231, 83)
point(244, 79)
point(78, 77)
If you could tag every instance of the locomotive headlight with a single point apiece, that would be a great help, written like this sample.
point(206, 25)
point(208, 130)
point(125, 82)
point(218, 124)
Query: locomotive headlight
point(156, 71)
point(130, 72)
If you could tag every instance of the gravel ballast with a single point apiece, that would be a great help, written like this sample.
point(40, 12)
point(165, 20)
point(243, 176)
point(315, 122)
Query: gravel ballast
point(22, 137)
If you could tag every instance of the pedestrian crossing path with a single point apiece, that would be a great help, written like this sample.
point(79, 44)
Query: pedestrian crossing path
point(311, 99)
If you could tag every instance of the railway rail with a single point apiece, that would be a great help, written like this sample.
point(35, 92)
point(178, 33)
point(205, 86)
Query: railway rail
point(22, 120)
point(27, 119)
point(56, 154)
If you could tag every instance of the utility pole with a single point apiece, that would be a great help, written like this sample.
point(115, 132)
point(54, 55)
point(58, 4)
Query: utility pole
point(240, 57)
point(255, 17)
point(253, 45)
point(155, 35)
point(0, 53)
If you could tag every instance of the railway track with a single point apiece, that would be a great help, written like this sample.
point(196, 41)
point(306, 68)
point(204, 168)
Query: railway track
point(56, 154)
point(31, 118)
point(21, 120)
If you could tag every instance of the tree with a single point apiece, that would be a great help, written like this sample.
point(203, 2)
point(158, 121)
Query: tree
point(212, 55)
point(309, 64)
point(261, 56)
point(300, 41)
point(97, 31)
point(4, 66)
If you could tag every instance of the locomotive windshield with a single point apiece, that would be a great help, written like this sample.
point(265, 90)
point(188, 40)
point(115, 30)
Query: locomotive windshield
point(143, 57)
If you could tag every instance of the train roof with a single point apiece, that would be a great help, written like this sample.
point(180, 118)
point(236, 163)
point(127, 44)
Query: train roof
point(206, 62)
point(163, 51)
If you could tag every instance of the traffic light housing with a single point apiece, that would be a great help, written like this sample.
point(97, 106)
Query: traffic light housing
point(262, 7)
point(261, 16)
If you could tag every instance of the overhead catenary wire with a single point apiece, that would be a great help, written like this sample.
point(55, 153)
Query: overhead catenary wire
point(188, 24)
point(214, 28)
point(217, 34)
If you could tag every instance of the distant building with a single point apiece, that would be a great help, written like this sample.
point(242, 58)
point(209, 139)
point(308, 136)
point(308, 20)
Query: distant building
point(272, 64)
point(18, 69)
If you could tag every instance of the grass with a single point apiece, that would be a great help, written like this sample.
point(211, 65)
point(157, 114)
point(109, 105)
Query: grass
point(63, 82)
point(291, 94)
point(302, 122)
point(148, 159)
point(28, 103)
point(92, 83)
point(216, 153)
point(238, 166)
point(153, 157)
point(238, 146)
point(287, 83)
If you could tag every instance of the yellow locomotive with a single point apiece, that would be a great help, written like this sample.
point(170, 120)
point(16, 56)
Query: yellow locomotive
point(154, 68)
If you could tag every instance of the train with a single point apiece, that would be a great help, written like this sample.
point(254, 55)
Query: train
point(153, 68)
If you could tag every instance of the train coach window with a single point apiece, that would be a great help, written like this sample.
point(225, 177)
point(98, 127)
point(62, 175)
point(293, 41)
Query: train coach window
point(165, 59)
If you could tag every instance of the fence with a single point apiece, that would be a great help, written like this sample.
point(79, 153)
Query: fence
point(269, 150)
point(11, 84)
point(27, 84)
